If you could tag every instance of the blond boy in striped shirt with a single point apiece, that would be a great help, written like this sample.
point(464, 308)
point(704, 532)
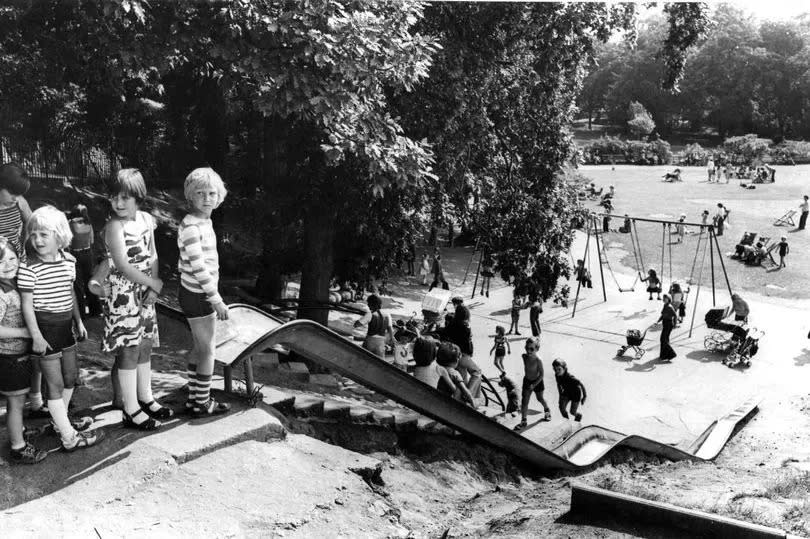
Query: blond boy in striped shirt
point(199, 279)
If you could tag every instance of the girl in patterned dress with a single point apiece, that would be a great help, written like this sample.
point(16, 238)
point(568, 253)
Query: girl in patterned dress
point(15, 361)
point(199, 279)
point(130, 321)
point(50, 311)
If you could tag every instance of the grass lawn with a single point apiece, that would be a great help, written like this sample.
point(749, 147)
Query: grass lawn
point(641, 192)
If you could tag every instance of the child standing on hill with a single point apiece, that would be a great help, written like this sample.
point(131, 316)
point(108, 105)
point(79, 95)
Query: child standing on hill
point(50, 312)
point(532, 381)
point(130, 320)
point(784, 249)
point(199, 279)
point(15, 363)
point(81, 247)
point(570, 389)
point(500, 346)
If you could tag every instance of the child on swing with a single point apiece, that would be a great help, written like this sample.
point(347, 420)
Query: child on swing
point(199, 278)
point(653, 283)
point(50, 311)
point(15, 362)
point(500, 347)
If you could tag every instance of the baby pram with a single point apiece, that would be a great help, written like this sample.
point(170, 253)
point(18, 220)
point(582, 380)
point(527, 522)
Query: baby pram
point(433, 306)
point(634, 338)
point(739, 342)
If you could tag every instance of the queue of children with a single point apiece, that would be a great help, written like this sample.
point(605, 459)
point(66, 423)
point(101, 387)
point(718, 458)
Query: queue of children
point(46, 290)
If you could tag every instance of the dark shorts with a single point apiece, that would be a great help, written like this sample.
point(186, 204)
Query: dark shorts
point(194, 304)
point(538, 389)
point(15, 374)
point(500, 353)
point(57, 330)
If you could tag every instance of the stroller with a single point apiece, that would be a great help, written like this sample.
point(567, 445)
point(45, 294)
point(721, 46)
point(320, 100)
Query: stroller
point(433, 306)
point(635, 338)
point(739, 342)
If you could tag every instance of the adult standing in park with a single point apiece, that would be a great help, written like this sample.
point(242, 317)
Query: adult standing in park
point(805, 209)
point(380, 328)
point(710, 168)
point(534, 314)
point(460, 334)
point(719, 219)
point(438, 273)
point(667, 318)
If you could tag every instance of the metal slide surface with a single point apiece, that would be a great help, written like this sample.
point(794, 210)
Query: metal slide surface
point(325, 347)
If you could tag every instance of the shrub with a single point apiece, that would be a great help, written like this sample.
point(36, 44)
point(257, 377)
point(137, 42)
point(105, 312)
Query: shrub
point(747, 148)
point(694, 154)
point(636, 152)
point(790, 152)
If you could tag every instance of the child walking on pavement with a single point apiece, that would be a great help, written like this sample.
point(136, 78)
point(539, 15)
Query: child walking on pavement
point(532, 382)
point(570, 389)
point(500, 346)
point(784, 249)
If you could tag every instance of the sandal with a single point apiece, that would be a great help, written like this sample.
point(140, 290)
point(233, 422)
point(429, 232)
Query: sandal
point(520, 426)
point(162, 412)
point(211, 407)
point(83, 439)
point(78, 423)
point(146, 425)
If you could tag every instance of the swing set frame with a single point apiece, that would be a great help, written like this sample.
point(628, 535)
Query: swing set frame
point(592, 229)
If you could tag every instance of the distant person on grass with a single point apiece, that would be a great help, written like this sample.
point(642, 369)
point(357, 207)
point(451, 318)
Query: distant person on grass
point(804, 207)
point(571, 390)
point(438, 273)
point(424, 268)
point(532, 382)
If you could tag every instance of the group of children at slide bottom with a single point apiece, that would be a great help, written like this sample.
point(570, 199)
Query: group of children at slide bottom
point(436, 364)
point(40, 317)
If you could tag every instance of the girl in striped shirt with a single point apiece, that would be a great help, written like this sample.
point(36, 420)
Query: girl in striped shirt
point(199, 279)
point(49, 308)
point(130, 321)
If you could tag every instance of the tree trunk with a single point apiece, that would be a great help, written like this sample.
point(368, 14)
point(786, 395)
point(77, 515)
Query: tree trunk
point(269, 282)
point(319, 261)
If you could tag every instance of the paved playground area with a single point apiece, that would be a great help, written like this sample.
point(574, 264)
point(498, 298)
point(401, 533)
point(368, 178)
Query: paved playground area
point(669, 402)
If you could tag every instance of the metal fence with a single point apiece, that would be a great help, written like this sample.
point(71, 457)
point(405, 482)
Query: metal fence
point(63, 162)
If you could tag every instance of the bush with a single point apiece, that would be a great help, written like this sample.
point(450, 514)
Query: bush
point(747, 148)
point(791, 152)
point(636, 152)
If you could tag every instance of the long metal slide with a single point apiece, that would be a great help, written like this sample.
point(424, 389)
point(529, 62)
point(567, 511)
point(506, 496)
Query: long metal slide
point(583, 448)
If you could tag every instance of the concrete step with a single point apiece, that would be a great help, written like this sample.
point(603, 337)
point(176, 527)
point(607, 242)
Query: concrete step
point(325, 380)
point(360, 414)
point(308, 406)
point(265, 360)
point(406, 420)
point(295, 370)
point(337, 410)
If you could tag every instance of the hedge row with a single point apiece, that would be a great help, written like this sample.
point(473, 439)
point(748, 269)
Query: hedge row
point(746, 149)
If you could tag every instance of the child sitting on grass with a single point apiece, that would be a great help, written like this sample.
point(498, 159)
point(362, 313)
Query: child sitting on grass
point(570, 389)
point(500, 347)
point(15, 363)
point(532, 382)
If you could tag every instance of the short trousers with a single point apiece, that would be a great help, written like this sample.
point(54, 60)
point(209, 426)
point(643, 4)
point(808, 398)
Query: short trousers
point(194, 304)
point(15, 374)
point(57, 330)
point(500, 353)
point(538, 389)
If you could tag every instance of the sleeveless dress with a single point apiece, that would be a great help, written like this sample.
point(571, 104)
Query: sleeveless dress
point(126, 320)
point(11, 227)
